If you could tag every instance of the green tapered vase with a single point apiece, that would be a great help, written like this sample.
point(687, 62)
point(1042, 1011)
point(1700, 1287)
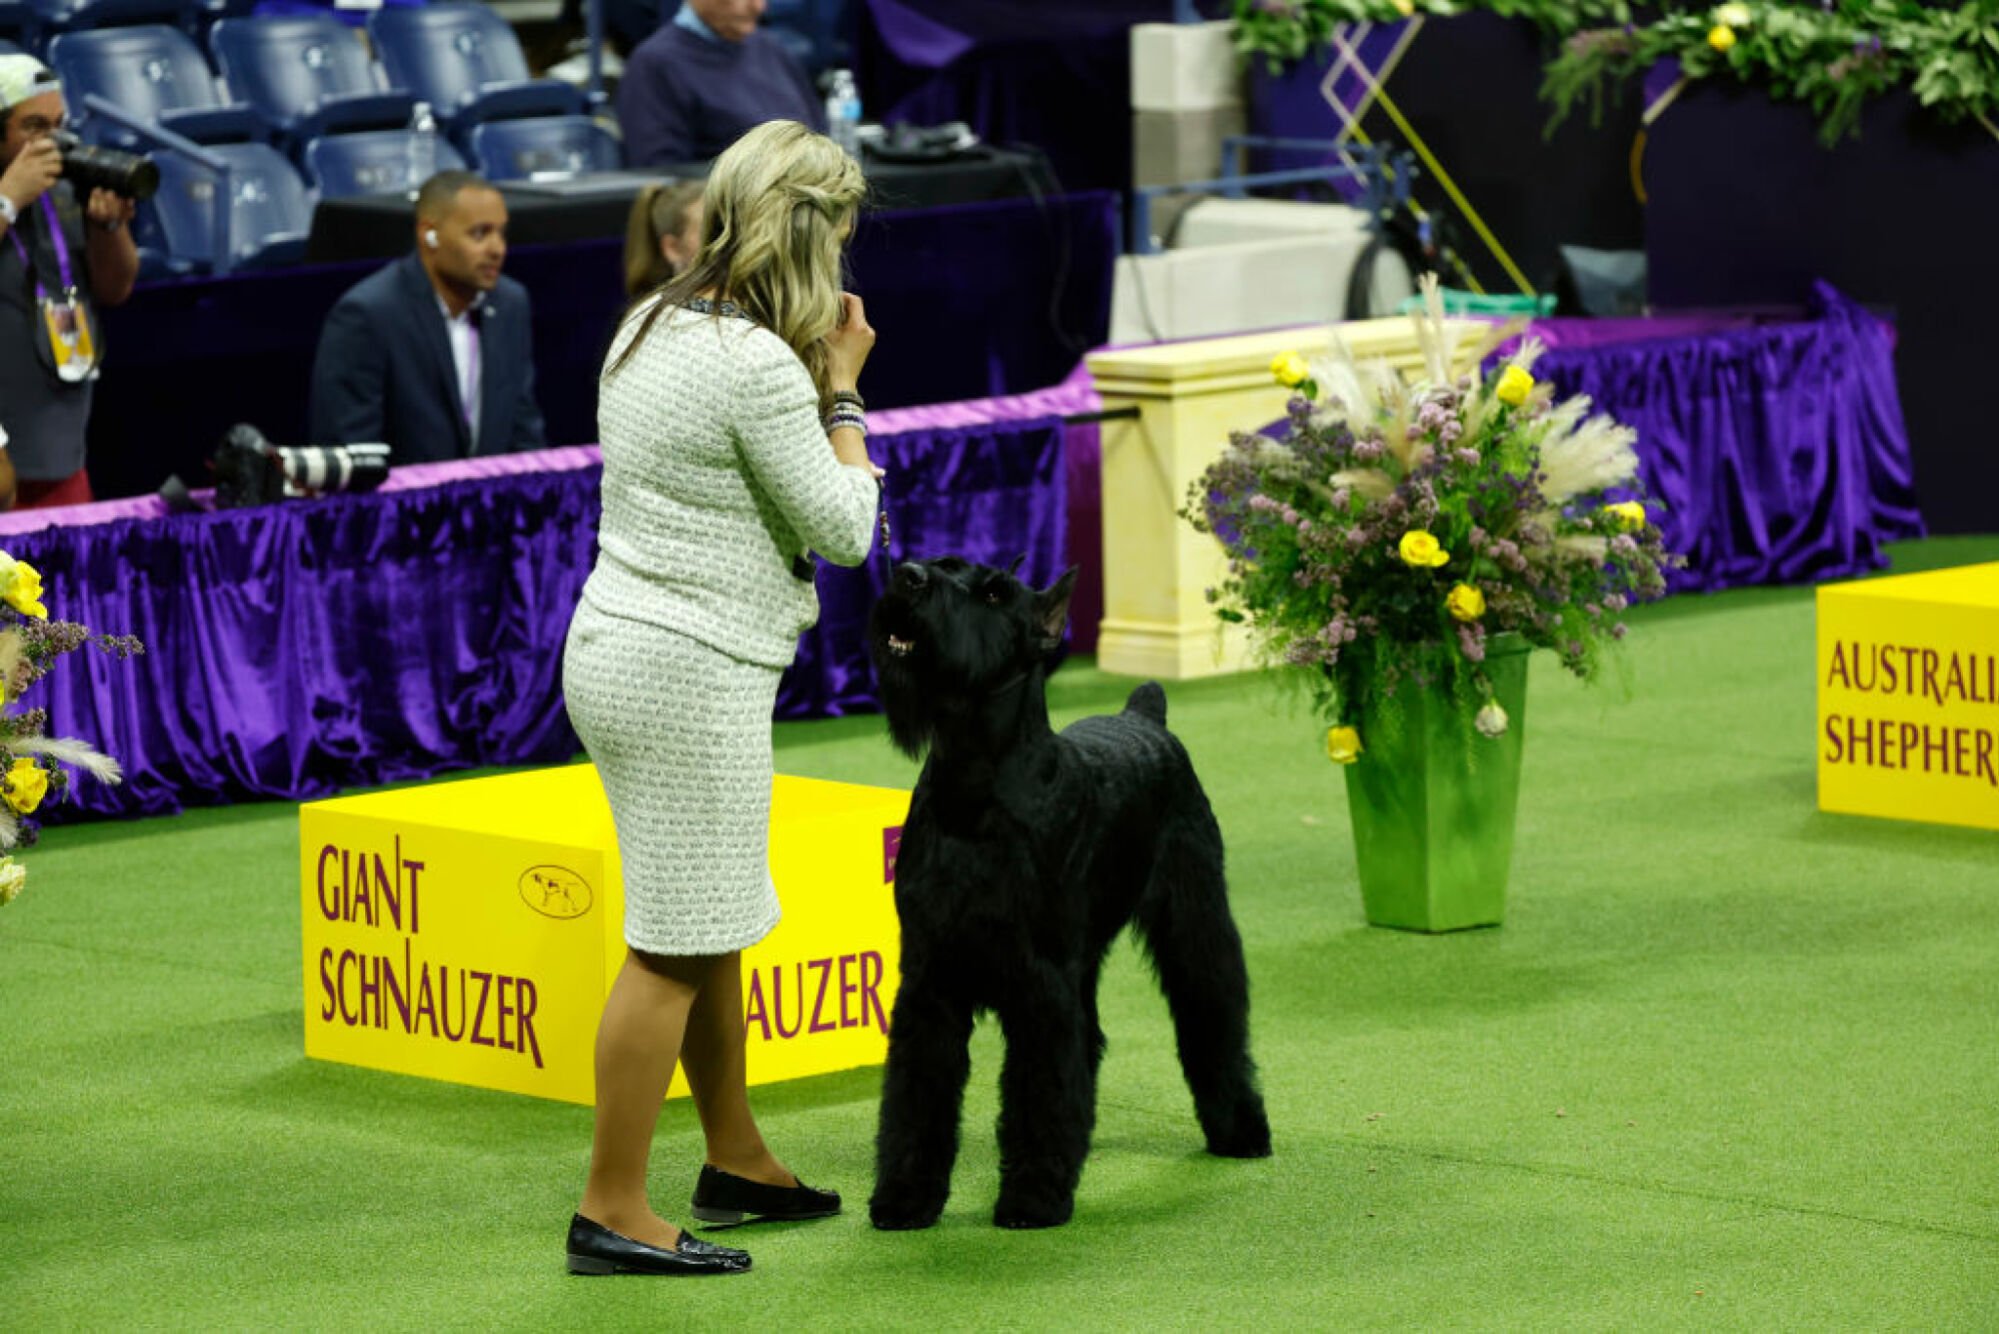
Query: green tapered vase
point(1433, 803)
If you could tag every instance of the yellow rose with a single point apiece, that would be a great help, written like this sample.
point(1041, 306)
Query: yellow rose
point(1420, 549)
point(1290, 370)
point(1732, 15)
point(1514, 386)
point(22, 589)
point(13, 878)
point(1721, 37)
point(27, 784)
point(1405, 7)
point(1343, 744)
point(1630, 515)
point(1466, 602)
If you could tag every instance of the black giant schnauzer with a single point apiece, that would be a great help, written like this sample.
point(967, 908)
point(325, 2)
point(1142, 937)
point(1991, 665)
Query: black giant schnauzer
point(1024, 855)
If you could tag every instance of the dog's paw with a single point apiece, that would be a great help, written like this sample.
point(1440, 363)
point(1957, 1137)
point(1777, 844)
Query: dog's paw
point(1246, 1136)
point(1021, 1213)
point(900, 1213)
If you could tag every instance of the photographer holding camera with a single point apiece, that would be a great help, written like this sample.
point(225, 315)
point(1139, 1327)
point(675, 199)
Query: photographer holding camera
point(59, 263)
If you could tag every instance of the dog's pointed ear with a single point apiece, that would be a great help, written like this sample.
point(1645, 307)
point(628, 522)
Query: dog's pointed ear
point(1051, 609)
point(1018, 561)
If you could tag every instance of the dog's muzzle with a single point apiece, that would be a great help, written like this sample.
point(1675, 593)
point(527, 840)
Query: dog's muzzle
point(899, 646)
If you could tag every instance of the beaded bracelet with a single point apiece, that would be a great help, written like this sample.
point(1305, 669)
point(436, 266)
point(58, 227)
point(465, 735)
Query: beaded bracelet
point(850, 399)
point(847, 417)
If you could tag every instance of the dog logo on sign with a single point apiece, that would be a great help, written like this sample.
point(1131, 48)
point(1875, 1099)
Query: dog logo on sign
point(556, 891)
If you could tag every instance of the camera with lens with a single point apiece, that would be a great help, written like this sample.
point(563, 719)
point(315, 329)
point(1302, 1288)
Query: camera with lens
point(250, 470)
point(90, 167)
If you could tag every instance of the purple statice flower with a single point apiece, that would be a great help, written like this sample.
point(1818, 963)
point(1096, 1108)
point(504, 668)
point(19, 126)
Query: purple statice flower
point(1356, 539)
point(1591, 610)
point(1616, 602)
point(51, 639)
point(1368, 451)
point(1467, 457)
point(1471, 640)
point(1341, 497)
point(1263, 504)
point(1623, 545)
point(1619, 630)
point(1477, 538)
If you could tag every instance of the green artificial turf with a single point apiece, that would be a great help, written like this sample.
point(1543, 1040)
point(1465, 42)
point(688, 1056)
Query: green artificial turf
point(1730, 1062)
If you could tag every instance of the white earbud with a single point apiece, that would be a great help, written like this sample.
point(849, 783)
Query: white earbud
point(430, 237)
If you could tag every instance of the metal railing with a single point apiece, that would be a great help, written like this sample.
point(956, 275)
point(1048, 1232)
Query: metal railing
point(223, 256)
point(1384, 180)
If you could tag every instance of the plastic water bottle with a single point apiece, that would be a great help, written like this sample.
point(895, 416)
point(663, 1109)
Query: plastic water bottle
point(843, 112)
point(422, 147)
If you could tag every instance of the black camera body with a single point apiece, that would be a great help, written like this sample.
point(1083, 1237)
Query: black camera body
point(90, 167)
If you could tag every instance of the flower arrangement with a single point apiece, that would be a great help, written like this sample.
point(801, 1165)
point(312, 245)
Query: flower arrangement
point(33, 767)
point(1833, 55)
point(1393, 530)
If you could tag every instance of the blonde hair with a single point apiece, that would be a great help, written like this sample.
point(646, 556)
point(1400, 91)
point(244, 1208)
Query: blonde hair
point(660, 211)
point(777, 210)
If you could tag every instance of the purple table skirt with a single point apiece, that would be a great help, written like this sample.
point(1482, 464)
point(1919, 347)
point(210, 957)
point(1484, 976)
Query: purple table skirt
point(1777, 449)
point(298, 649)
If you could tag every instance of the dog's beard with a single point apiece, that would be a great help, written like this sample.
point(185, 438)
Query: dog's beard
point(910, 722)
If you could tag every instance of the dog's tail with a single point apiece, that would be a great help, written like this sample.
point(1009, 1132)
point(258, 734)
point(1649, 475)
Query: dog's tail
point(1148, 701)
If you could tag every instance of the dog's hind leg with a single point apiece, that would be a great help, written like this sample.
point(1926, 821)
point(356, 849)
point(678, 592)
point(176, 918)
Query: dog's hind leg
point(1183, 918)
point(922, 1094)
point(1047, 1102)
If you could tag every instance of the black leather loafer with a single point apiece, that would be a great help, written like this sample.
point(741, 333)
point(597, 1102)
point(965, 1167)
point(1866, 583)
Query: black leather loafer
point(595, 1249)
point(723, 1200)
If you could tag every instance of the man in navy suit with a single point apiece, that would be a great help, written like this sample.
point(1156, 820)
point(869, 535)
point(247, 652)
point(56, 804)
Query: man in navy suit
point(432, 354)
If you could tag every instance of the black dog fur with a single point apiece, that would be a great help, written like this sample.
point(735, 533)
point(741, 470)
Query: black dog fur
point(1025, 853)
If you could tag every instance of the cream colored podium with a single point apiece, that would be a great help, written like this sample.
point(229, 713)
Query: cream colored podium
point(1189, 396)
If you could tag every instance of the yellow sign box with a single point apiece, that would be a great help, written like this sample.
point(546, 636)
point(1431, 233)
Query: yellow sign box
point(1908, 688)
point(470, 931)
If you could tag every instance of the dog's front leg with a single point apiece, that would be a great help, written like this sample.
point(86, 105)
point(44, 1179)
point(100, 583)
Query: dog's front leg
point(1047, 1102)
point(922, 1093)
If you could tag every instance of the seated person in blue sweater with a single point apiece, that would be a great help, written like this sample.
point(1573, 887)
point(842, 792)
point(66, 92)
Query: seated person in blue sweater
point(431, 355)
point(694, 86)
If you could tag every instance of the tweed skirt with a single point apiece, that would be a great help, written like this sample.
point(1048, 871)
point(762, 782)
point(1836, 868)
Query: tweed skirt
point(681, 736)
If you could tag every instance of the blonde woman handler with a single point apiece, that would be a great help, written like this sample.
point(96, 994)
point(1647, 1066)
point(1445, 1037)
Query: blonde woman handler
point(734, 449)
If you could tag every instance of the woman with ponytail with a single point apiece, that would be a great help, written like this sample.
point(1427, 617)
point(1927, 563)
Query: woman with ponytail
point(735, 453)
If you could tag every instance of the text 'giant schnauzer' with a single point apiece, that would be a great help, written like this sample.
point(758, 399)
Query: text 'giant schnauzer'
point(1024, 855)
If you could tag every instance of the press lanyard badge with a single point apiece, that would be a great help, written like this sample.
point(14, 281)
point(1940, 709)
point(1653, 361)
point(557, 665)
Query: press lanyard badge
point(72, 344)
point(68, 322)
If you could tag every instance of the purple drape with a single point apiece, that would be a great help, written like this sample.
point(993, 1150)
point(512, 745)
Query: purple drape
point(1779, 449)
point(302, 648)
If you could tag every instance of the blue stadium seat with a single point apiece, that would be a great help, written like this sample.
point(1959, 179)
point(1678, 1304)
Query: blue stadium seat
point(8, 48)
point(465, 61)
point(306, 76)
point(269, 212)
point(154, 73)
point(371, 163)
point(515, 150)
